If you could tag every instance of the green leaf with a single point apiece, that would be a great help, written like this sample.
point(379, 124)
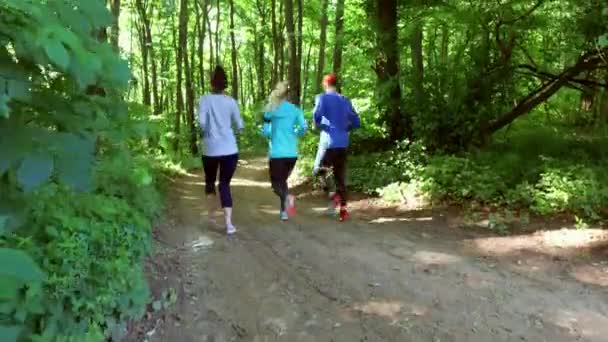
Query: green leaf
point(75, 161)
point(34, 170)
point(9, 333)
point(19, 265)
point(603, 41)
point(4, 109)
point(3, 224)
point(57, 53)
point(9, 288)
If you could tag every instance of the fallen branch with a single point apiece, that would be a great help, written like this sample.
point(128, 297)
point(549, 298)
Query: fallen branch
point(587, 62)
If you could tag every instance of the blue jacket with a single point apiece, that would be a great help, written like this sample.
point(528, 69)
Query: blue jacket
point(335, 116)
point(283, 126)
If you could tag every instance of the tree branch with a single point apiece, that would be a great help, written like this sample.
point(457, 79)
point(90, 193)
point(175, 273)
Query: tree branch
point(547, 75)
point(526, 14)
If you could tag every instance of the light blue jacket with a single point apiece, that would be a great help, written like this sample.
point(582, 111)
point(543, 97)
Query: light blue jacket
point(283, 126)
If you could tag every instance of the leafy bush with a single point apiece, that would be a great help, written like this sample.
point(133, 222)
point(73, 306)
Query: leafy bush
point(76, 206)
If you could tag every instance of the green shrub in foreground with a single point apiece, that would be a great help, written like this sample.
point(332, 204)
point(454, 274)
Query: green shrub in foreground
point(92, 247)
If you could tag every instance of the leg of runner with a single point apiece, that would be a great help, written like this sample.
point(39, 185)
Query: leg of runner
point(291, 199)
point(210, 167)
point(280, 169)
point(339, 165)
point(228, 166)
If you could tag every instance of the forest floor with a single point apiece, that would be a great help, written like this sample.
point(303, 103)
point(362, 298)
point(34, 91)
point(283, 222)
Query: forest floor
point(386, 275)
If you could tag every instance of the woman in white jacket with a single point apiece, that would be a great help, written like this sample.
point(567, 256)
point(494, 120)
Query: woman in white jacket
point(219, 117)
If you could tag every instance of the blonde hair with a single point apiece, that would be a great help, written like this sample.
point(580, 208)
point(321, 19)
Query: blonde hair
point(279, 94)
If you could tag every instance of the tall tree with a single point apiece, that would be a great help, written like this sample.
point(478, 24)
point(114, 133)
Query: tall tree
point(300, 42)
point(293, 53)
point(418, 63)
point(275, 44)
point(143, 28)
point(201, 29)
point(212, 59)
point(188, 55)
point(235, 70)
point(339, 39)
point(387, 67)
point(115, 29)
point(259, 48)
point(180, 57)
point(218, 21)
point(322, 42)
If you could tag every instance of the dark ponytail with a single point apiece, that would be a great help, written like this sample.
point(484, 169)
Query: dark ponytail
point(219, 80)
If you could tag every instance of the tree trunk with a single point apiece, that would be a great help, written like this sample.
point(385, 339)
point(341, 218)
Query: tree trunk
point(306, 74)
point(189, 72)
point(339, 39)
point(115, 30)
point(202, 5)
point(251, 86)
point(297, 87)
point(387, 69)
point(293, 53)
point(444, 58)
point(143, 29)
point(235, 70)
point(275, 45)
point(153, 66)
point(217, 33)
point(211, 51)
point(282, 42)
point(180, 57)
point(322, 42)
point(418, 64)
point(242, 84)
point(259, 56)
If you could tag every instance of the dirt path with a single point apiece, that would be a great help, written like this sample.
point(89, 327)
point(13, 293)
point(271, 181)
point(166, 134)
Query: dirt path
point(376, 279)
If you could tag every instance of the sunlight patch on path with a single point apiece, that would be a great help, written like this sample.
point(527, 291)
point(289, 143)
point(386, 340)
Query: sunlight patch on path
point(557, 240)
point(249, 183)
point(203, 242)
point(427, 257)
point(400, 219)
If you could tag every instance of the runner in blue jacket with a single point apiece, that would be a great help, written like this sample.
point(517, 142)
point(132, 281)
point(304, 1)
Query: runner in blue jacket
point(284, 123)
point(335, 116)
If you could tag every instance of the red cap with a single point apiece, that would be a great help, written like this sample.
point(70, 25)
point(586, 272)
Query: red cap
point(330, 80)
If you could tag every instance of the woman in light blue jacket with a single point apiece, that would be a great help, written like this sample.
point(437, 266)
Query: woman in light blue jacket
point(284, 123)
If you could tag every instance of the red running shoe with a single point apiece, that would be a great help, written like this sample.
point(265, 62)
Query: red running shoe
point(344, 215)
point(291, 205)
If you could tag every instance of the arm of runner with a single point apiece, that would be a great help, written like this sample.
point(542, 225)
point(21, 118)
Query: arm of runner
point(236, 118)
point(302, 126)
point(267, 128)
point(353, 117)
point(202, 115)
point(317, 113)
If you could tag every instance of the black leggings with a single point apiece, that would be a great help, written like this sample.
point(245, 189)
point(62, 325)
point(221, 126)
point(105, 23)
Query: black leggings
point(280, 169)
point(227, 166)
point(335, 159)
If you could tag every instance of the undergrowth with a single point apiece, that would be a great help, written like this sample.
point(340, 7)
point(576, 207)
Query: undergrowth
point(543, 170)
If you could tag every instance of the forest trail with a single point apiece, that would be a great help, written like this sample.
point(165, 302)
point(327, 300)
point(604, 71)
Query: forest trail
point(382, 279)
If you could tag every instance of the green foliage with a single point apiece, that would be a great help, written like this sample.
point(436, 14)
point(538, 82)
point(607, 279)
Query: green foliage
point(79, 189)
